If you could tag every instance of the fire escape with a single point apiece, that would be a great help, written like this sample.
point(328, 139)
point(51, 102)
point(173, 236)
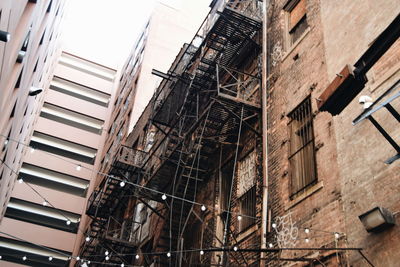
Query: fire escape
point(211, 93)
point(206, 100)
point(105, 232)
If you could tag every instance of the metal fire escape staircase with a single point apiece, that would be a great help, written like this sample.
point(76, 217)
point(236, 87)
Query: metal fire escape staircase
point(103, 202)
point(200, 110)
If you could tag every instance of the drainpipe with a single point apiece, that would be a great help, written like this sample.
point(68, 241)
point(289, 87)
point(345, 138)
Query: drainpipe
point(264, 218)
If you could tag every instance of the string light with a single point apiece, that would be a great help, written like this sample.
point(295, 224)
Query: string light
point(201, 252)
point(107, 258)
point(337, 235)
point(68, 222)
point(79, 167)
point(270, 245)
point(24, 258)
point(32, 149)
point(20, 180)
point(137, 256)
point(106, 253)
point(274, 225)
point(307, 240)
point(239, 217)
point(122, 265)
point(44, 203)
point(235, 248)
point(50, 258)
point(1, 257)
point(169, 254)
point(87, 239)
point(89, 262)
point(163, 197)
point(78, 258)
point(6, 142)
point(122, 183)
point(203, 208)
point(307, 231)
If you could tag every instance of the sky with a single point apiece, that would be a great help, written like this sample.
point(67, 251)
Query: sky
point(104, 31)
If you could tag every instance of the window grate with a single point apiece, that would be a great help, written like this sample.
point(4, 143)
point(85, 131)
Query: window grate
point(302, 148)
point(247, 205)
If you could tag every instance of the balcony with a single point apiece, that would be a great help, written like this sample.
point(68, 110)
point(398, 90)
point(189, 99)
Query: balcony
point(127, 233)
point(127, 159)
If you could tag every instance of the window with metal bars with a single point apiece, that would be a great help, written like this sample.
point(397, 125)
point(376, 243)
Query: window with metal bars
point(247, 209)
point(303, 171)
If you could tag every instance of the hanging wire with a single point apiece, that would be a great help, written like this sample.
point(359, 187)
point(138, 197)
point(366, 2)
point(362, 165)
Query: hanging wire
point(134, 184)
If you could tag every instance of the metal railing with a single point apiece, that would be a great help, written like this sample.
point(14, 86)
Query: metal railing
point(128, 231)
point(249, 8)
point(131, 156)
point(94, 202)
point(238, 86)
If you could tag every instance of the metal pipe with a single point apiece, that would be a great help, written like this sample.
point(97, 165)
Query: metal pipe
point(264, 215)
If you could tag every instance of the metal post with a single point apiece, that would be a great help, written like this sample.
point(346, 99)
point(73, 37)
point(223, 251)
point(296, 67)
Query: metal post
point(384, 133)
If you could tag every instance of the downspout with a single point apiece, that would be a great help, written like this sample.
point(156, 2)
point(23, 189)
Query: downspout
point(264, 95)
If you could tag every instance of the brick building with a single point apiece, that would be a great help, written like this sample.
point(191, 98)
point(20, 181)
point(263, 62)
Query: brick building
point(217, 172)
point(324, 172)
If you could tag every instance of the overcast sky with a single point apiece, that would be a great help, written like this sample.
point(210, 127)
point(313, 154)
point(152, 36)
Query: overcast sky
point(104, 31)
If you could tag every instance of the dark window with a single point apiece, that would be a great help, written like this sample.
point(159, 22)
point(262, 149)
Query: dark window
point(297, 19)
point(226, 184)
point(302, 152)
point(247, 209)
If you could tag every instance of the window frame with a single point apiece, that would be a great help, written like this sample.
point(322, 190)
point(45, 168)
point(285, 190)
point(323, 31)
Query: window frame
point(309, 119)
point(289, 29)
point(248, 218)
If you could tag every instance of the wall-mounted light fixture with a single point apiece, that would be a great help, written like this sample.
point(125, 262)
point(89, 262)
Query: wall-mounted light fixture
point(35, 91)
point(5, 36)
point(377, 219)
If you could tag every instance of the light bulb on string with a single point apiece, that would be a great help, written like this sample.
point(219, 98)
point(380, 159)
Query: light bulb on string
point(122, 265)
point(78, 167)
point(203, 208)
point(122, 184)
point(307, 240)
point(239, 217)
point(32, 149)
point(78, 258)
point(87, 238)
point(307, 231)
point(106, 253)
point(169, 254)
point(270, 245)
point(274, 225)
point(163, 197)
point(89, 262)
point(1, 257)
point(235, 248)
point(201, 252)
point(50, 258)
point(337, 235)
point(44, 203)
point(68, 222)
point(137, 256)
point(6, 142)
point(107, 258)
point(20, 180)
point(24, 258)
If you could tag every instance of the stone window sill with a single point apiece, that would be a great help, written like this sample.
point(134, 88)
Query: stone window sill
point(243, 235)
point(293, 46)
point(310, 191)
